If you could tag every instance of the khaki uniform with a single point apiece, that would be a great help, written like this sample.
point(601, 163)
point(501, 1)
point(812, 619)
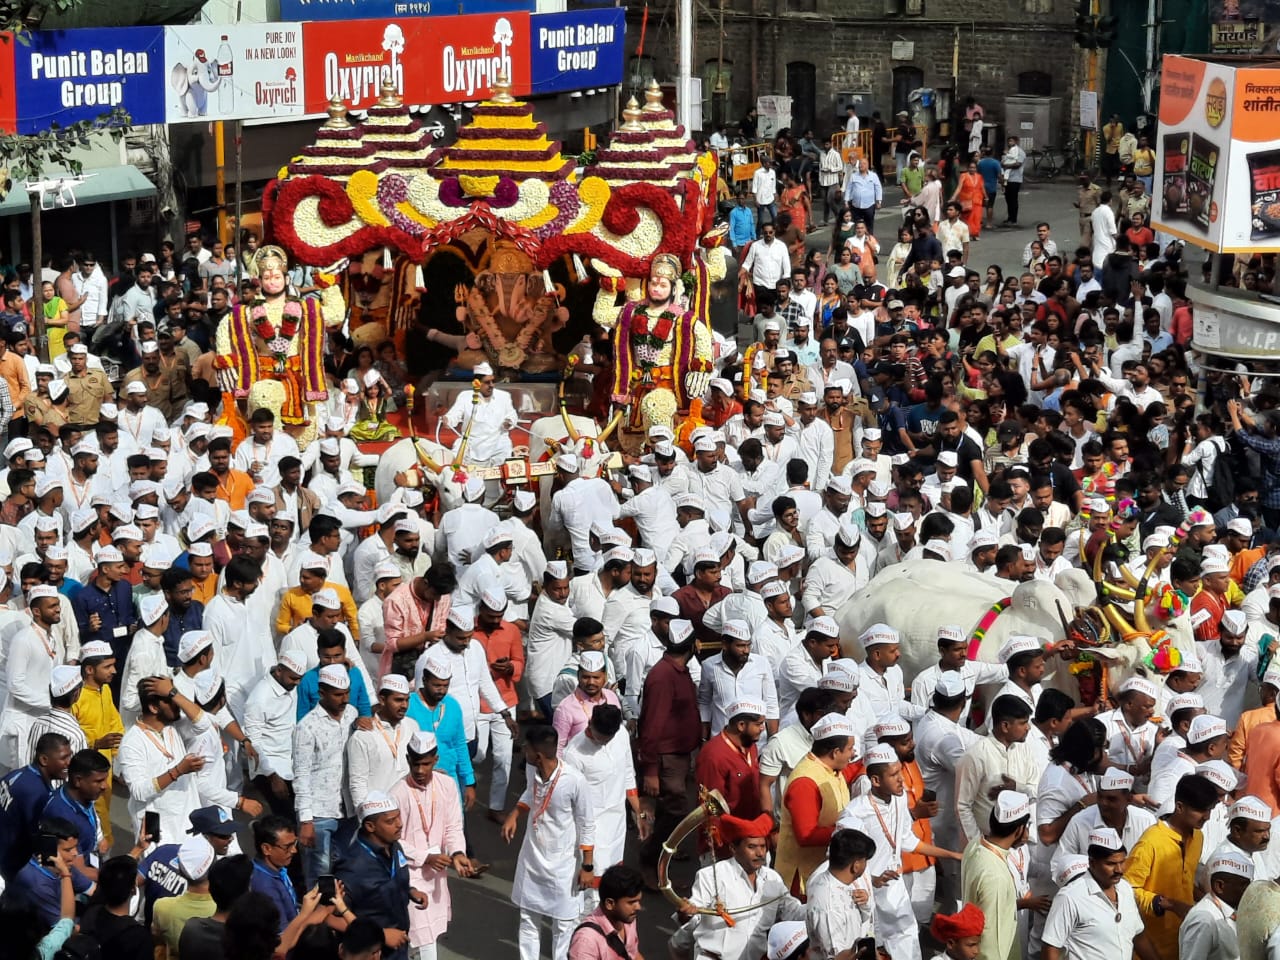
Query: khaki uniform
point(86, 393)
point(166, 390)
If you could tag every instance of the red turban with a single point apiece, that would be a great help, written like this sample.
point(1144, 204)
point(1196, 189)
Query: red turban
point(969, 922)
point(733, 829)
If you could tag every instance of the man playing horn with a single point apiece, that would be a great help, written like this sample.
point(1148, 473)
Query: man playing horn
point(662, 354)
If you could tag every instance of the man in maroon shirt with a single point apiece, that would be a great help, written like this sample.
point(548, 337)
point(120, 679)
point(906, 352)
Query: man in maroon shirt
point(699, 596)
point(730, 762)
point(669, 731)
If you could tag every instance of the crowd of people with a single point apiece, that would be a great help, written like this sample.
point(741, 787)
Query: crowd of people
point(303, 706)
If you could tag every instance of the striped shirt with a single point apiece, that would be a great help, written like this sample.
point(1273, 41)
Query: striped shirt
point(56, 721)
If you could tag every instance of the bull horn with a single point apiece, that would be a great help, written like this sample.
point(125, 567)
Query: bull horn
point(1140, 610)
point(611, 426)
point(1117, 620)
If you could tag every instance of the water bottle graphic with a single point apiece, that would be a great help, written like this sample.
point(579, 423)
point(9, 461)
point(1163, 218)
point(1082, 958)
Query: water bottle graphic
point(226, 70)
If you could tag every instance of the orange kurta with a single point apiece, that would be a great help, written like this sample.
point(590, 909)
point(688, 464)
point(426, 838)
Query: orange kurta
point(923, 829)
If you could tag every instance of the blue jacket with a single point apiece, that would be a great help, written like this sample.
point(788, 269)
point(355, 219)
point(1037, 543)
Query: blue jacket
point(742, 225)
point(377, 887)
point(115, 607)
point(445, 721)
point(309, 692)
point(23, 795)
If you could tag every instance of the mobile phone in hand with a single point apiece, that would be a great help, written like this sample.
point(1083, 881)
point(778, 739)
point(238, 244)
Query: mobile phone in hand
point(327, 884)
point(151, 826)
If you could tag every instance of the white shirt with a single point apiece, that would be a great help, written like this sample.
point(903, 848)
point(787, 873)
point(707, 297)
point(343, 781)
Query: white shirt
point(940, 746)
point(268, 455)
point(494, 418)
point(574, 508)
point(376, 758)
point(767, 262)
point(834, 920)
point(472, 682)
point(974, 672)
point(655, 514)
point(1127, 745)
point(764, 185)
point(145, 659)
point(1075, 837)
point(885, 693)
point(461, 532)
point(609, 773)
point(1082, 921)
point(270, 714)
point(144, 757)
point(981, 769)
point(1208, 931)
point(1226, 681)
point(561, 820)
point(94, 289)
point(747, 939)
point(242, 657)
point(817, 446)
point(319, 768)
point(548, 644)
point(719, 688)
point(373, 631)
point(797, 673)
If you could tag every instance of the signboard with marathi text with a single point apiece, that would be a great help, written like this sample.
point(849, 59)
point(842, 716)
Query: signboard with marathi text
point(390, 9)
point(1243, 26)
point(1218, 155)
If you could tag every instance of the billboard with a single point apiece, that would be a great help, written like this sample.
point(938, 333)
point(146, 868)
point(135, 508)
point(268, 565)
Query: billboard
point(391, 9)
point(1243, 26)
point(8, 85)
point(572, 51)
point(66, 76)
point(427, 64)
point(225, 72)
point(1218, 156)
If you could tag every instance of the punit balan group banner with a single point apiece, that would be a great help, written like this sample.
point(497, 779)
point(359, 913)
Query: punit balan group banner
point(206, 72)
point(65, 76)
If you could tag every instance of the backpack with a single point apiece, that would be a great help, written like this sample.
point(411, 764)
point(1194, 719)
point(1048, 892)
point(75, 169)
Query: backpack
point(79, 946)
point(1222, 483)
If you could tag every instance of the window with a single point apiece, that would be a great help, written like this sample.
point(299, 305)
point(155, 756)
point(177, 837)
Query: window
point(1037, 6)
point(717, 81)
point(1034, 83)
point(802, 89)
point(639, 73)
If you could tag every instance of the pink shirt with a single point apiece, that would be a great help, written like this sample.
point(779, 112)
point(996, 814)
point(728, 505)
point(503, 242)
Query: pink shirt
point(432, 823)
point(403, 615)
point(587, 944)
point(574, 713)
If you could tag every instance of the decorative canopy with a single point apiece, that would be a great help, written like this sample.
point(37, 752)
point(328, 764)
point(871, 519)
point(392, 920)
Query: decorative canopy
point(380, 183)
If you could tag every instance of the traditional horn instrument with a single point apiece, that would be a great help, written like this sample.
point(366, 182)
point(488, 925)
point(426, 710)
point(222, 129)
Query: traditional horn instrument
point(711, 804)
point(466, 434)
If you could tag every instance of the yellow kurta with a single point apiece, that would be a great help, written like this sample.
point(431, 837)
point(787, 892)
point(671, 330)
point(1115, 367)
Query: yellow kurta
point(95, 711)
point(1162, 863)
point(985, 881)
point(295, 609)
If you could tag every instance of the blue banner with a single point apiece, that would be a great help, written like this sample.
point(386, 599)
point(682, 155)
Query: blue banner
point(384, 9)
point(65, 76)
point(576, 50)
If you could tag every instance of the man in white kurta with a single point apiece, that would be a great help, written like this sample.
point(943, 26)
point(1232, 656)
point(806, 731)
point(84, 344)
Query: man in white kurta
point(604, 760)
point(153, 761)
point(245, 648)
point(490, 420)
point(32, 655)
point(993, 760)
point(558, 849)
point(757, 893)
point(376, 757)
point(1208, 931)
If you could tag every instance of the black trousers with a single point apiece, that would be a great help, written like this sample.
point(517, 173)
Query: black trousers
point(1011, 200)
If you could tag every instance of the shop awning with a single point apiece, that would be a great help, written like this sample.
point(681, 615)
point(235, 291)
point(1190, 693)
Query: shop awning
point(122, 182)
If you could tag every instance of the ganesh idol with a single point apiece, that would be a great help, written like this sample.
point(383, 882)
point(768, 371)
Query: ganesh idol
point(270, 349)
point(662, 353)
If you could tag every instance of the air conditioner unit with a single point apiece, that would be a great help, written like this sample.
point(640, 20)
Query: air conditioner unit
point(914, 8)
